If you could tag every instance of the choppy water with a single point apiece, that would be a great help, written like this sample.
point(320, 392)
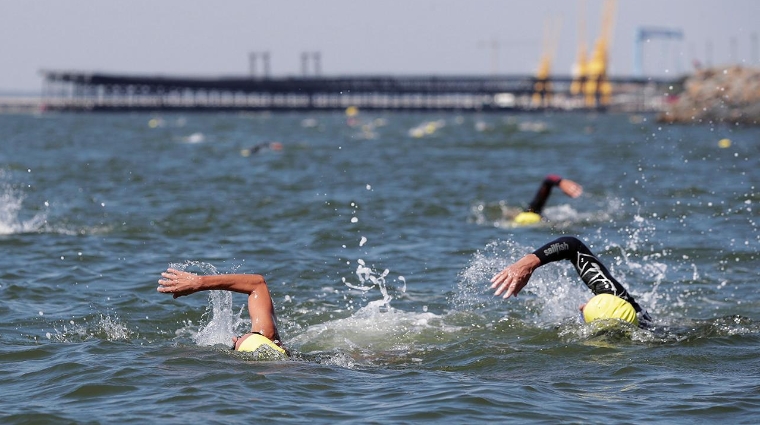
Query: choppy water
point(405, 207)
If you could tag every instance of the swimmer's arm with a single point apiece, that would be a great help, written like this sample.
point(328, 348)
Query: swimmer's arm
point(513, 278)
point(562, 248)
point(570, 188)
point(181, 283)
point(600, 282)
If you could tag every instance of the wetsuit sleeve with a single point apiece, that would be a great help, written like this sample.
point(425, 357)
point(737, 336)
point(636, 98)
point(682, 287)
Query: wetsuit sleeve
point(589, 268)
point(537, 204)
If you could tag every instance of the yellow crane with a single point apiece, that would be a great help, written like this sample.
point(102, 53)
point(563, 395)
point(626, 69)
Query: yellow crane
point(579, 70)
point(597, 89)
point(542, 86)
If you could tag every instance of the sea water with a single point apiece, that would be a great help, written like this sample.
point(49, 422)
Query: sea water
point(377, 240)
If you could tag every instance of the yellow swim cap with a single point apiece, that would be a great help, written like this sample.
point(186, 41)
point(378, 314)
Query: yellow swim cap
point(254, 342)
point(525, 218)
point(608, 306)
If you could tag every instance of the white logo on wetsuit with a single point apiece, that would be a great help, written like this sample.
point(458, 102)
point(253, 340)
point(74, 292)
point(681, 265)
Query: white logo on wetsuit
point(556, 247)
point(594, 272)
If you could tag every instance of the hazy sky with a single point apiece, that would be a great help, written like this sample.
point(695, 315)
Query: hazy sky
point(213, 38)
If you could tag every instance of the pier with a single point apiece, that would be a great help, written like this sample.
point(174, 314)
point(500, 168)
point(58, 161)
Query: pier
point(98, 92)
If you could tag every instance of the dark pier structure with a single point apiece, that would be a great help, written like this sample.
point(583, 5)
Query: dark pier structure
point(82, 92)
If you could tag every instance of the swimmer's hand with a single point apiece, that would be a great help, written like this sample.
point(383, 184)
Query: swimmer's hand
point(571, 188)
point(179, 283)
point(513, 278)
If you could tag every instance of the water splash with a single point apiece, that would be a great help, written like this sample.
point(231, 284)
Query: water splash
point(195, 138)
point(220, 323)
point(376, 333)
point(369, 279)
point(103, 327)
point(11, 203)
point(646, 267)
point(473, 281)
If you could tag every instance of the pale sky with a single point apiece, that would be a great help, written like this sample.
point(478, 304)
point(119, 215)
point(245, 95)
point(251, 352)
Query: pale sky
point(387, 37)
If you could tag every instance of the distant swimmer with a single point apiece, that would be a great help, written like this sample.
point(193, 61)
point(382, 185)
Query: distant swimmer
point(532, 214)
point(610, 301)
point(275, 146)
point(263, 337)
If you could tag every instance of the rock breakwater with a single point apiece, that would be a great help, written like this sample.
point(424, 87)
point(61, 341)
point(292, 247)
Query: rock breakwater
point(717, 95)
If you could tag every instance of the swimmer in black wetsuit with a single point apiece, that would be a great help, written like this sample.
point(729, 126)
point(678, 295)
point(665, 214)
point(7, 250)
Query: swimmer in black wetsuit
point(533, 213)
point(571, 189)
point(513, 278)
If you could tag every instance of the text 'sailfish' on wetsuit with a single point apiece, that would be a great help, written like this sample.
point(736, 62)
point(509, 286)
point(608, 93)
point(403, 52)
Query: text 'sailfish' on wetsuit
point(590, 269)
point(537, 204)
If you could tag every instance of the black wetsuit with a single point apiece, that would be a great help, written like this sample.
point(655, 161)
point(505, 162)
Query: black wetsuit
point(537, 204)
point(590, 269)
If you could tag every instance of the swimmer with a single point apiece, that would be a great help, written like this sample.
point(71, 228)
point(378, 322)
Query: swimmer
point(610, 301)
point(260, 307)
point(275, 146)
point(532, 214)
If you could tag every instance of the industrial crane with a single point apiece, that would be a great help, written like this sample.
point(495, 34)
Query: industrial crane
point(598, 90)
point(542, 87)
point(580, 70)
point(643, 35)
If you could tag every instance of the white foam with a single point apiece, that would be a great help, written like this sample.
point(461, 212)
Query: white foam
point(375, 327)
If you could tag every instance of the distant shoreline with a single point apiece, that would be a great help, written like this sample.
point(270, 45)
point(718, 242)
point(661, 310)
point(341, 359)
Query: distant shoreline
point(19, 102)
point(19, 93)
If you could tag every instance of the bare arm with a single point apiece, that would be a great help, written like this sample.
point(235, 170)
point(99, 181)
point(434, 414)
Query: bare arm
point(260, 307)
point(514, 277)
point(181, 283)
point(571, 188)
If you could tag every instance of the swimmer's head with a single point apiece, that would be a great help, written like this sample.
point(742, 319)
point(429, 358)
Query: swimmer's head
point(608, 306)
point(527, 218)
point(254, 341)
